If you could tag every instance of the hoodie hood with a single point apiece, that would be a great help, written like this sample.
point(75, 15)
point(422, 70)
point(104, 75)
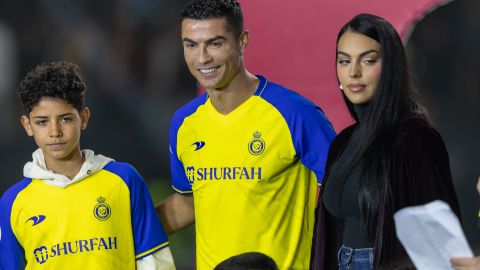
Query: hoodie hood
point(38, 170)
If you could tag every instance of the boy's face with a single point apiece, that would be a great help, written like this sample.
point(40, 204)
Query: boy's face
point(56, 126)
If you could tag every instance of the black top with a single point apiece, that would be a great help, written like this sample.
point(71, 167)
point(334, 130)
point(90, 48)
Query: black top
point(420, 173)
point(340, 198)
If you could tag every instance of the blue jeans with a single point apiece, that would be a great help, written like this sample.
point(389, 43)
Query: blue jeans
point(355, 259)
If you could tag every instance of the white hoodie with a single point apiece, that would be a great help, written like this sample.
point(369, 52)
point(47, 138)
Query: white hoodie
point(160, 260)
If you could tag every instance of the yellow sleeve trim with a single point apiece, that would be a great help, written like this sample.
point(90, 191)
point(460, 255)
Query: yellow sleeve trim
point(150, 251)
point(181, 191)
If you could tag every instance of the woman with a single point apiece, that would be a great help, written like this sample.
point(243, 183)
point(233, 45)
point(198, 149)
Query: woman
point(389, 159)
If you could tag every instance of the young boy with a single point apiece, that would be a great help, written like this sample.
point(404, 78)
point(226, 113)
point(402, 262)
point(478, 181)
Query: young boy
point(74, 209)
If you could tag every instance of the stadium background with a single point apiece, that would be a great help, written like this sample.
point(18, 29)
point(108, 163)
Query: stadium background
point(131, 56)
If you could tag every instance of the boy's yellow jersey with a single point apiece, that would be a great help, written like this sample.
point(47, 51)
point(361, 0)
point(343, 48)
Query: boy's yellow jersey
point(253, 174)
point(105, 221)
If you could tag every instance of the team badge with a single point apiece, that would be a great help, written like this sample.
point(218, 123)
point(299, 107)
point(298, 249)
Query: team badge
point(102, 210)
point(256, 146)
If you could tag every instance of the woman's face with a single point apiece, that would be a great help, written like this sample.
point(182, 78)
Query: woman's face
point(359, 66)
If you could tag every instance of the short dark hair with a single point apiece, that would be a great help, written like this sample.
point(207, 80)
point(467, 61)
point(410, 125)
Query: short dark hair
point(211, 9)
point(62, 80)
point(248, 261)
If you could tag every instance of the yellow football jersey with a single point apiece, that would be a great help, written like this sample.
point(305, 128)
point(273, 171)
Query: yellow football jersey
point(253, 174)
point(105, 221)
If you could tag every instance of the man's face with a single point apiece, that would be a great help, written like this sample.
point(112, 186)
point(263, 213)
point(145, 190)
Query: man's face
point(56, 126)
point(212, 52)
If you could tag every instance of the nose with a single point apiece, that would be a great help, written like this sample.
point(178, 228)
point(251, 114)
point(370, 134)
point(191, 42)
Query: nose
point(204, 56)
point(355, 70)
point(55, 130)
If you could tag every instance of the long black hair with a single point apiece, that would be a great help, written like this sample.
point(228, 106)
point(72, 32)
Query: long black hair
point(393, 101)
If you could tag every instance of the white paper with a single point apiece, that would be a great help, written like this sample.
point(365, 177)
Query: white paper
point(431, 234)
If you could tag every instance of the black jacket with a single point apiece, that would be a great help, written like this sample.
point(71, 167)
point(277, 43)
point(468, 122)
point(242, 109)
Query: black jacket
point(420, 173)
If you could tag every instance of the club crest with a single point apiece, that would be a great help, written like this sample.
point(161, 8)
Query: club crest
point(102, 210)
point(256, 146)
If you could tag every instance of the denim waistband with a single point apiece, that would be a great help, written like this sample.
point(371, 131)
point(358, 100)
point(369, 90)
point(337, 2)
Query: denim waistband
point(348, 254)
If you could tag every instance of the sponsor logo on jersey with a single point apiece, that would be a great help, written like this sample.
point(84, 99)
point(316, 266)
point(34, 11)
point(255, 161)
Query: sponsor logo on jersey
point(223, 173)
point(36, 219)
point(198, 145)
point(43, 253)
point(190, 172)
point(102, 211)
point(256, 146)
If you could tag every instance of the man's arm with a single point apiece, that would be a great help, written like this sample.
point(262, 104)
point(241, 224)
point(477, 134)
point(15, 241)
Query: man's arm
point(176, 212)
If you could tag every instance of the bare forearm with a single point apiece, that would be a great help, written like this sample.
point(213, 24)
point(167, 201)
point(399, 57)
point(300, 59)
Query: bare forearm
point(466, 263)
point(176, 212)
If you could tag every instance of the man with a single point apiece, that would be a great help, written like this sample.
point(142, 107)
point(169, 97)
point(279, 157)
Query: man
point(249, 150)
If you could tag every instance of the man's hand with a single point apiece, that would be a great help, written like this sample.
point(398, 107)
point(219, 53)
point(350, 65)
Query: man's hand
point(459, 263)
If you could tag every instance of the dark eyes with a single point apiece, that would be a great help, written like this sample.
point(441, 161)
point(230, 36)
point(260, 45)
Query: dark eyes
point(41, 122)
point(66, 119)
point(368, 61)
point(62, 120)
point(215, 44)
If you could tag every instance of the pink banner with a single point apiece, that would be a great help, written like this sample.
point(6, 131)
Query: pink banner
point(293, 42)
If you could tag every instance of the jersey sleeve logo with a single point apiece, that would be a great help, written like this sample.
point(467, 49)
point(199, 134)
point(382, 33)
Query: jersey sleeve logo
point(256, 146)
point(36, 219)
point(190, 172)
point(198, 145)
point(102, 211)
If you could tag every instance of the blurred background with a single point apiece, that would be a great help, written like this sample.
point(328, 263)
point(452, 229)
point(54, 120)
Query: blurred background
point(130, 53)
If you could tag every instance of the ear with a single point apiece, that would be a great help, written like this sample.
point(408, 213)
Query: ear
point(26, 125)
point(243, 41)
point(84, 116)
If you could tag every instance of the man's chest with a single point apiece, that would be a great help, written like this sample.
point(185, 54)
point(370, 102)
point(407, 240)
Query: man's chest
point(251, 148)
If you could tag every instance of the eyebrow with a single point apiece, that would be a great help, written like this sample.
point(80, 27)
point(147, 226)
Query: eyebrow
point(46, 117)
point(361, 55)
point(208, 40)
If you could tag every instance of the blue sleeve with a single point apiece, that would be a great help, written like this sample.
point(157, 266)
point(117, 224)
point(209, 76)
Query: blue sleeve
point(12, 255)
point(310, 129)
point(180, 182)
point(312, 139)
point(148, 233)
